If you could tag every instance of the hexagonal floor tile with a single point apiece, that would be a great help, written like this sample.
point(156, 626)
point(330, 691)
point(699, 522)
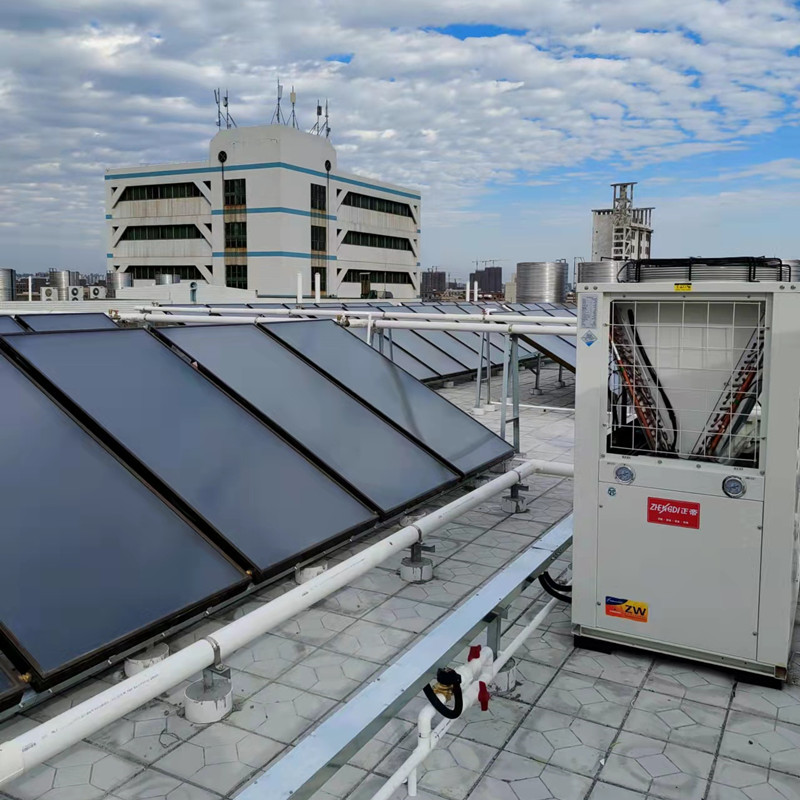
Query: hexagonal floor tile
point(694, 682)
point(269, 656)
point(330, 674)
point(368, 640)
point(575, 745)
point(762, 741)
point(154, 785)
point(280, 712)
point(664, 770)
point(592, 699)
point(627, 668)
point(405, 614)
point(513, 777)
point(734, 780)
point(220, 757)
point(676, 720)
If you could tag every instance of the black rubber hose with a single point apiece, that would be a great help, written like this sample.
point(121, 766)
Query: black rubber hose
point(561, 587)
point(559, 591)
point(446, 711)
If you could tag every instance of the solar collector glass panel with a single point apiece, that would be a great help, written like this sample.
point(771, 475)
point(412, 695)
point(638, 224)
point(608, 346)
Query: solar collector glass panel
point(424, 351)
point(7, 325)
point(227, 465)
point(90, 555)
point(430, 419)
point(66, 322)
point(342, 432)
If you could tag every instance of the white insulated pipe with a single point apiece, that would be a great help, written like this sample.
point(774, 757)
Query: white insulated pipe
point(299, 288)
point(475, 285)
point(317, 287)
point(480, 327)
point(19, 755)
point(361, 313)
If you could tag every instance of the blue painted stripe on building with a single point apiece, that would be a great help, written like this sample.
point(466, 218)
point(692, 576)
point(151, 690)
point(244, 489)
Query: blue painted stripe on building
point(108, 216)
point(276, 210)
point(275, 254)
point(266, 165)
point(109, 255)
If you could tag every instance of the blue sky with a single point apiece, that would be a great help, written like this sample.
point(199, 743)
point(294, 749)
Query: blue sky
point(512, 117)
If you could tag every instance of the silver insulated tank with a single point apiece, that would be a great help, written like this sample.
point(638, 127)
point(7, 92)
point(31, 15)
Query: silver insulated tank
point(164, 279)
point(117, 280)
point(599, 271)
point(8, 284)
point(60, 278)
point(541, 281)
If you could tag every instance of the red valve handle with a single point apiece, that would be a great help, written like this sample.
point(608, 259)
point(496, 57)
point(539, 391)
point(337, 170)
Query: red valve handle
point(474, 652)
point(483, 696)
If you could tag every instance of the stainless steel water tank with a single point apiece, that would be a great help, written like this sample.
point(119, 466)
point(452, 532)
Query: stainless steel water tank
point(541, 281)
point(8, 284)
point(60, 279)
point(599, 271)
point(117, 280)
point(164, 279)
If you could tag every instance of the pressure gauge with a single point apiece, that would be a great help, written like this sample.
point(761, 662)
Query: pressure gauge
point(734, 486)
point(624, 474)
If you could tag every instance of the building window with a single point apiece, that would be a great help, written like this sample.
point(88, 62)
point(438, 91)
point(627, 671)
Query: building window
point(318, 238)
point(323, 279)
point(318, 197)
point(186, 272)
point(235, 192)
point(376, 204)
point(354, 276)
point(160, 191)
point(236, 276)
point(236, 235)
point(376, 240)
point(138, 233)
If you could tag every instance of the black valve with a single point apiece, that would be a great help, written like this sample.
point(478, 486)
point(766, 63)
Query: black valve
point(448, 683)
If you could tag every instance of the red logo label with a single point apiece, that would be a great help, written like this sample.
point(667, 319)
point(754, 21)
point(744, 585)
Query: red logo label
point(673, 512)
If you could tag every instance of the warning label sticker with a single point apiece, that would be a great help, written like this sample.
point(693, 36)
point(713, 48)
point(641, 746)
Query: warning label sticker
point(626, 609)
point(679, 513)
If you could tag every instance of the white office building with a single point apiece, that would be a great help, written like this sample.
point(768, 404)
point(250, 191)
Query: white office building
point(269, 203)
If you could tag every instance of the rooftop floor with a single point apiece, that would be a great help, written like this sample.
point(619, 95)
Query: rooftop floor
point(579, 724)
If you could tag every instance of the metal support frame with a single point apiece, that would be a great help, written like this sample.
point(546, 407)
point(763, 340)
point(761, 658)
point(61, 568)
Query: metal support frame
point(536, 389)
point(511, 375)
point(486, 347)
point(561, 383)
point(303, 770)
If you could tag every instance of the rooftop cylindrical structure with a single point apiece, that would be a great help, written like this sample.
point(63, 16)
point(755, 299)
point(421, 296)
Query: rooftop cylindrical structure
point(598, 271)
point(8, 285)
point(117, 280)
point(61, 280)
point(165, 278)
point(541, 281)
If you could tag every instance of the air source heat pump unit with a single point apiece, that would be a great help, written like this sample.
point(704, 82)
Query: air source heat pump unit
point(75, 293)
point(96, 292)
point(49, 293)
point(686, 466)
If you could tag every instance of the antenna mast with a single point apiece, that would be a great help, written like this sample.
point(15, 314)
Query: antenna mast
point(293, 116)
point(321, 127)
point(222, 102)
point(277, 116)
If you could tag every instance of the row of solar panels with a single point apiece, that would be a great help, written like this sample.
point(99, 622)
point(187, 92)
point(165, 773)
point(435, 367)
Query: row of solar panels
point(440, 355)
point(149, 475)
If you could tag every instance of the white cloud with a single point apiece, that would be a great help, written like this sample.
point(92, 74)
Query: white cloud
point(98, 83)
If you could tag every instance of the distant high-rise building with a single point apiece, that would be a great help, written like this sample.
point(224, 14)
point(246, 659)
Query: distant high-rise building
point(433, 282)
point(621, 232)
point(489, 280)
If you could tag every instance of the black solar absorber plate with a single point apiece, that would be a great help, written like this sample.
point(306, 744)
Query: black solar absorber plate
point(433, 358)
point(344, 434)
point(91, 558)
point(400, 357)
point(67, 322)
point(446, 430)
point(7, 325)
point(266, 499)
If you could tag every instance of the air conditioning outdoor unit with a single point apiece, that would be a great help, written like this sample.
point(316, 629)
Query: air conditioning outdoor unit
point(49, 293)
point(75, 293)
point(96, 292)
